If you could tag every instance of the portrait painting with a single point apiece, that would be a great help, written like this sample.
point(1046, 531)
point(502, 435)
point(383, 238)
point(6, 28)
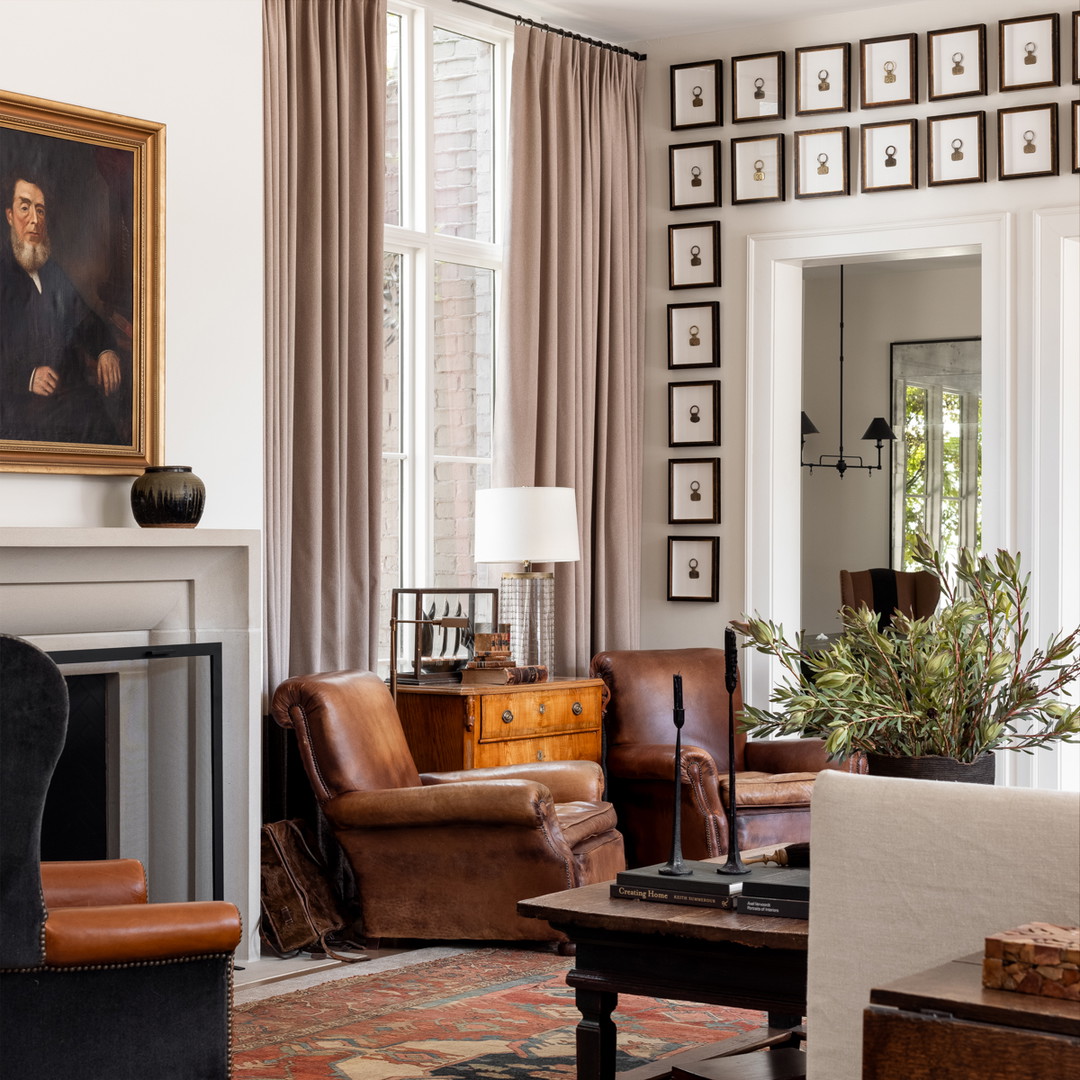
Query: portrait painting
point(81, 250)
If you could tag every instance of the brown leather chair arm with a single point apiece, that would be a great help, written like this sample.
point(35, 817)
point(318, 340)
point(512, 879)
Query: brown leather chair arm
point(92, 884)
point(786, 755)
point(130, 933)
point(568, 781)
point(493, 802)
point(656, 761)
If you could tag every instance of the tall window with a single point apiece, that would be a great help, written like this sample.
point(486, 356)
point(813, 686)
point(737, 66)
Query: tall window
point(445, 154)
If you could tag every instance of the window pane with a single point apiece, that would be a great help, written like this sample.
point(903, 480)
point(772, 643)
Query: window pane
point(454, 494)
point(464, 344)
point(389, 554)
point(391, 427)
point(393, 119)
point(464, 135)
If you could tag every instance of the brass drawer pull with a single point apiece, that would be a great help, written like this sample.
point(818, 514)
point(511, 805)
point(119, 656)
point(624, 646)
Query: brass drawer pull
point(577, 708)
point(539, 755)
point(542, 708)
point(507, 717)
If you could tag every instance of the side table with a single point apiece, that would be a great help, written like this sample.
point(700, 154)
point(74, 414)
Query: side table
point(455, 726)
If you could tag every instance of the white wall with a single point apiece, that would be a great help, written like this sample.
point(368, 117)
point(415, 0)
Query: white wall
point(674, 624)
point(196, 66)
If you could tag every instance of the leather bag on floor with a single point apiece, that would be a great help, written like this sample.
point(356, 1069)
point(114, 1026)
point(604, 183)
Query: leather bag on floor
point(300, 912)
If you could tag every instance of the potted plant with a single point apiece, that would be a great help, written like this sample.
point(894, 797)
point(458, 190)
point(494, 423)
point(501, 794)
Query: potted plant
point(924, 696)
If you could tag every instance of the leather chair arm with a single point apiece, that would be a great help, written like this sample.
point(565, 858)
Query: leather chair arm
point(786, 755)
point(133, 933)
point(568, 781)
point(93, 884)
point(656, 761)
point(492, 802)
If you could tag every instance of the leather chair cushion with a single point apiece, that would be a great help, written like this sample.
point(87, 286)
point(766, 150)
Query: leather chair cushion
point(769, 789)
point(581, 820)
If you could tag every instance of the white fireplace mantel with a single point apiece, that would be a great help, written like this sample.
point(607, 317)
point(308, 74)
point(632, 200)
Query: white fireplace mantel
point(89, 588)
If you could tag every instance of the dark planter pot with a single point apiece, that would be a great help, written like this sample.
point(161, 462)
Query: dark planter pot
point(168, 497)
point(980, 771)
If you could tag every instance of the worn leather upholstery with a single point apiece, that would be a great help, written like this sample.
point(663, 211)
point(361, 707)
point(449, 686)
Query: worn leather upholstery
point(443, 855)
point(774, 779)
point(917, 592)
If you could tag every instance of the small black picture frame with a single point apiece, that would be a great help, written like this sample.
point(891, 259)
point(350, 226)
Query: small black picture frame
point(694, 255)
point(822, 79)
point(956, 62)
point(888, 71)
point(1075, 110)
point(1027, 141)
point(694, 175)
point(757, 169)
point(693, 571)
point(694, 491)
point(1076, 46)
point(694, 413)
point(821, 163)
point(956, 149)
point(693, 335)
point(697, 95)
point(757, 87)
point(1028, 52)
point(890, 156)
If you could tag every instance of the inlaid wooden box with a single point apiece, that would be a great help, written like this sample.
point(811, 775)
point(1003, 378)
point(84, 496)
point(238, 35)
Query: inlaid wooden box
point(1036, 958)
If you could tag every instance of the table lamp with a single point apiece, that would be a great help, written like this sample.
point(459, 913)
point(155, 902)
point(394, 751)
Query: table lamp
point(528, 525)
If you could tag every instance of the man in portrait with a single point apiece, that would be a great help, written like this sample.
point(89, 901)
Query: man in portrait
point(58, 361)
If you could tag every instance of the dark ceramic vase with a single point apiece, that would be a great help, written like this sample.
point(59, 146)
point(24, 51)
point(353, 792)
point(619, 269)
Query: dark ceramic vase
point(980, 771)
point(168, 497)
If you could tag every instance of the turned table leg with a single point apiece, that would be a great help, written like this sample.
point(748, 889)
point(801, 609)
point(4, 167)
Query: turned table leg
point(596, 1034)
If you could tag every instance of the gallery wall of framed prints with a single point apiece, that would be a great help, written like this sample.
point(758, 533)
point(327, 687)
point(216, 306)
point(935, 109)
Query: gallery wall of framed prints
point(870, 115)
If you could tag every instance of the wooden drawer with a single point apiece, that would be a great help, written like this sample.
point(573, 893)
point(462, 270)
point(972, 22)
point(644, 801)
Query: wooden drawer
point(577, 746)
point(547, 711)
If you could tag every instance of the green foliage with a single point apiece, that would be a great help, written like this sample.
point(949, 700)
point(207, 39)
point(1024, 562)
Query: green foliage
point(955, 684)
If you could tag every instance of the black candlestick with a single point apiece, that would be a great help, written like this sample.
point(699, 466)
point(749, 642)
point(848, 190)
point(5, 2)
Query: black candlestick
point(675, 867)
point(734, 864)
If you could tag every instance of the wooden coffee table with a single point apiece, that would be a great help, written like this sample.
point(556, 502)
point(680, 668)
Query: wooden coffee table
point(681, 953)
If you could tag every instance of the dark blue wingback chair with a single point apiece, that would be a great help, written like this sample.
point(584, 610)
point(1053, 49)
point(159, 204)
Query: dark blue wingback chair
point(95, 983)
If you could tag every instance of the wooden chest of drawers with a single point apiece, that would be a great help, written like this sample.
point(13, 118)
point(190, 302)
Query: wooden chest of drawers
point(472, 727)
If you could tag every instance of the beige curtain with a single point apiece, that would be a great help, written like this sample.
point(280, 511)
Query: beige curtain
point(569, 401)
point(324, 85)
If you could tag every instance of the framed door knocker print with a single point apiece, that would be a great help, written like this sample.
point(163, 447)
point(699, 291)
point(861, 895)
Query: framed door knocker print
point(821, 79)
point(694, 255)
point(694, 568)
point(694, 413)
point(956, 62)
point(821, 163)
point(956, 149)
point(1028, 52)
point(694, 335)
point(1027, 141)
point(696, 95)
point(757, 87)
point(888, 71)
point(694, 491)
point(694, 175)
point(889, 156)
point(757, 169)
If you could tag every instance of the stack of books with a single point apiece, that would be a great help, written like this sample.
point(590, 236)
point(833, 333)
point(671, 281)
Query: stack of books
point(704, 887)
point(782, 892)
point(492, 664)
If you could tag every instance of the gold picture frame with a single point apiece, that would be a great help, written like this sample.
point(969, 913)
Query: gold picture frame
point(84, 395)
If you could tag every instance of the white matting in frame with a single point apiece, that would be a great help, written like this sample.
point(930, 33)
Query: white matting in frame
point(888, 71)
point(694, 491)
point(956, 149)
point(694, 255)
point(1028, 52)
point(956, 60)
point(694, 568)
point(821, 163)
point(696, 95)
point(757, 87)
point(889, 156)
point(822, 82)
point(694, 175)
point(694, 413)
point(757, 169)
point(1027, 142)
point(694, 335)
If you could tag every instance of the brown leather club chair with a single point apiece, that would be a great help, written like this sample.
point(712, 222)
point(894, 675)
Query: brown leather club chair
point(443, 855)
point(915, 593)
point(773, 778)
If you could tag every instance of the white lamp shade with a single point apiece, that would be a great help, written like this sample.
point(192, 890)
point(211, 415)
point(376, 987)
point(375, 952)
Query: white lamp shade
point(526, 524)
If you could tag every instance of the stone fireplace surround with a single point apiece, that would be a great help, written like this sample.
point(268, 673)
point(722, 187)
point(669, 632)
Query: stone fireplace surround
point(95, 588)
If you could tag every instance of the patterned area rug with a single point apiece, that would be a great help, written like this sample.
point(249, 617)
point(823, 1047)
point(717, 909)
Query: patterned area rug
point(491, 1014)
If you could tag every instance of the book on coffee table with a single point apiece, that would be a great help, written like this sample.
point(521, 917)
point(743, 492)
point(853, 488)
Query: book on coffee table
point(779, 883)
point(672, 895)
point(776, 907)
point(703, 879)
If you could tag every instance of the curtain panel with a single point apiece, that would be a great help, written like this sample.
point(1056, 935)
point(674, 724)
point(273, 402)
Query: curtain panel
point(568, 407)
point(324, 85)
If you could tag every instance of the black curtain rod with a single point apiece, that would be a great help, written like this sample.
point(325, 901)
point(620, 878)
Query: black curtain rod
point(554, 29)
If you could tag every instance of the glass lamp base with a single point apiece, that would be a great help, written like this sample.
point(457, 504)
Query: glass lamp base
point(527, 603)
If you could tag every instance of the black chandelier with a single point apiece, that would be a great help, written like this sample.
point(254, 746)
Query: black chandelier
point(878, 430)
